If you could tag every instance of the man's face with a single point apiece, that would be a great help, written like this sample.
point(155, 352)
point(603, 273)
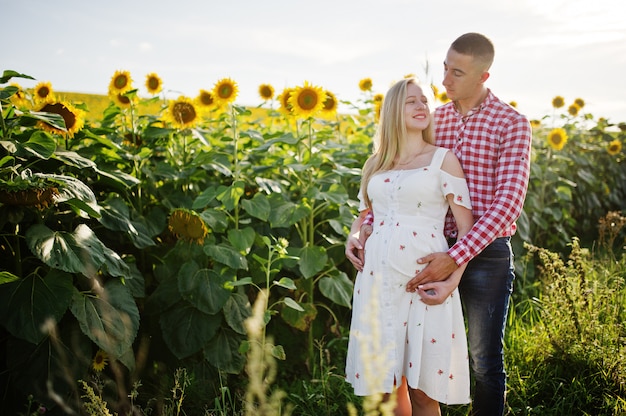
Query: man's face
point(463, 76)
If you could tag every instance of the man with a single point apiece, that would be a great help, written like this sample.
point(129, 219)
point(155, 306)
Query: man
point(492, 141)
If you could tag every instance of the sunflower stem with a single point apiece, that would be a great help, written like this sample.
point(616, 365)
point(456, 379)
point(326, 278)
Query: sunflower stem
point(236, 169)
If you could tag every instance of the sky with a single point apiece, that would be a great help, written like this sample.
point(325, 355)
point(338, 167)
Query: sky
point(544, 48)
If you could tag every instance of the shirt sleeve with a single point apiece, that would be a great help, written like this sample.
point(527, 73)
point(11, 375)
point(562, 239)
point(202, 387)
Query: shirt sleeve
point(512, 175)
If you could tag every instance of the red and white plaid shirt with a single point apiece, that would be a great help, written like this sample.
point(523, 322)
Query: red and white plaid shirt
point(493, 143)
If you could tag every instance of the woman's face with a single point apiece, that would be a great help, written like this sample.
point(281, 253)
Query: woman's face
point(416, 112)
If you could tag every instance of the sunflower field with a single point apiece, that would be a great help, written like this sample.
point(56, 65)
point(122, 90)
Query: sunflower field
point(186, 256)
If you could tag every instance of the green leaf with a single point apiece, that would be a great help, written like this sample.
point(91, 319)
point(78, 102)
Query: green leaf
point(242, 239)
point(217, 220)
point(78, 252)
point(293, 304)
point(337, 288)
point(226, 255)
point(299, 319)
point(70, 187)
point(312, 260)
point(41, 145)
point(27, 304)
point(287, 283)
point(229, 196)
point(186, 330)
point(258, 207)
point(205, 198)
point(7, 277)
point(236, 311)
point(9, 73)
point(203, 288)
point(223, 352)
point(278, 352)
point(110, 318)
point(286, 213)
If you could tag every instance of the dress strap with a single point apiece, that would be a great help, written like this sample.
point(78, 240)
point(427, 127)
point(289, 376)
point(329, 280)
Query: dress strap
point(438, 157)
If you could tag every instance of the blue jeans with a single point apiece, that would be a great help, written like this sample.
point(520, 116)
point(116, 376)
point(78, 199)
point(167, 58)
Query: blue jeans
point(485, 289)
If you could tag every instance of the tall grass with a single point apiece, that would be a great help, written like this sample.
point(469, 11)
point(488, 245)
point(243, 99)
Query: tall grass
point(566, 348)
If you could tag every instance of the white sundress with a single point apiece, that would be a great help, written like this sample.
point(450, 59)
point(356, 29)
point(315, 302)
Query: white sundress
point(393, 333)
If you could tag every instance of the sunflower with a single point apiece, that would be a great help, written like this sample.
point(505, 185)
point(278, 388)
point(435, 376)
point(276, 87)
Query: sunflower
point(573, 110)
point(513, 104)
point(365, 84)
point(558, 102)
point(285, 106)
point(120, 83)
point(378, 98)
point(377, 108)
point(43, 92)
point(154, 85)
point(123, 100)
point(306, 100)
point(266, 91)
point(19, 98)
point(74, 118)
point(225, 91)
point(329, 107)
point(535, 124)
point(557, 138)
point(435, 90)
point(182, 113)
point(443, 97)
point(579, 102)
point(188, 225)
point(100, 361)
point(614, 147)
point(205, 100)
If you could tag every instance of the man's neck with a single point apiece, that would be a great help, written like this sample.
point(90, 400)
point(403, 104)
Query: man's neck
point(464, 106)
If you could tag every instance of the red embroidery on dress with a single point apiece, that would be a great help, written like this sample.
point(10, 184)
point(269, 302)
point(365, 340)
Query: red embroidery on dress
point(387, 180)
point(402, 247)
point(453, 336)
point(397, 224)
point(459, 198)
point(404, 323)
point(433, 341)
point(382, 223)
point(414, 233)
point(410, 364)
point(445, 184)
point(358, 292)
point(451, 377)
point(432, 235)
point(440, 372)
point(357, 375)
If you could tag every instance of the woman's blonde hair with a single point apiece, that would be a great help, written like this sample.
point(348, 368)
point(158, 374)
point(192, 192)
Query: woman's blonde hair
point(391, 134)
